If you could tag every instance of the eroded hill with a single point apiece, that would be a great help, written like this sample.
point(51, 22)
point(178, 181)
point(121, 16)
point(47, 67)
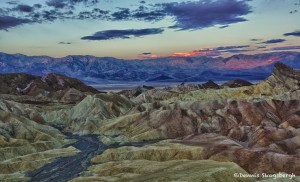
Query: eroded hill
point(248, 129)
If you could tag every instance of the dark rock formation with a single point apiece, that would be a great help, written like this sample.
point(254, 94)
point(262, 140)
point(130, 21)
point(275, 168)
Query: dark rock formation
point(55, 82)
point(183, 87)
point(53, 86)
point(209, 84)
point(136, 92)
point(10, 82)
point(236, 83)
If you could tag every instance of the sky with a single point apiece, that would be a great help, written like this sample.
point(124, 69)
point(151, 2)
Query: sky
point(148, 29)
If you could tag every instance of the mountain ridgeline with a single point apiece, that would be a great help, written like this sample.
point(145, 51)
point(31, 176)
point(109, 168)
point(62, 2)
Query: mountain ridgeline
point(90, 69)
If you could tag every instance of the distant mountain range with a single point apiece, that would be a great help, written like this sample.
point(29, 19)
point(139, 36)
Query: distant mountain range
point(90, 69)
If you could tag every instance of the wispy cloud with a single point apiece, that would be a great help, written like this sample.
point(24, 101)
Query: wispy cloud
point(224, 26)
point(261, 47)
point(216, 51)
point(69, 3)
point(255, 40)
point(56, 3)
point(143, 13)
point(273, 41)
point(123, 34)
point(24, 8)
point(231, 47)
point(295, 33)
point(285, 48)
point(12, 2)
point(65, 43)
point(146, 53)
point(196, 53)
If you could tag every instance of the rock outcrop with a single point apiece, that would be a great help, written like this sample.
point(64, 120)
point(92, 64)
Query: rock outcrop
point(86, 116)
point(284, 78)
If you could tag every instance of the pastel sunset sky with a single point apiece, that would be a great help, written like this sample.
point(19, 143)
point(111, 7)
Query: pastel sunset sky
point(151, 28)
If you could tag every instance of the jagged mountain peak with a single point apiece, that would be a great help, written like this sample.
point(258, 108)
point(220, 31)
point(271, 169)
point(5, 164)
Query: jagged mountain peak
point(284, 78)
point(281, 68)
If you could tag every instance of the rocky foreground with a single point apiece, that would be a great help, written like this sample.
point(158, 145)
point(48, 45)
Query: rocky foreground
point(202, 132)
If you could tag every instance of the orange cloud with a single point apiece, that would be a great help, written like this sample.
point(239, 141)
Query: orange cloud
point(199, 52)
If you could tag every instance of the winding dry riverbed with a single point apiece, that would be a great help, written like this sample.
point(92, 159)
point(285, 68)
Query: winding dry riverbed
point(66, 168)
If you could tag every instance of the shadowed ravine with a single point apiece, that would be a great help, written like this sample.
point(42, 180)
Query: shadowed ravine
point(66, 168)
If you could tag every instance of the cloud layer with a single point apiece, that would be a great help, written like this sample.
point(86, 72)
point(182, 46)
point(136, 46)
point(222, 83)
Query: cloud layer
point(188, 15)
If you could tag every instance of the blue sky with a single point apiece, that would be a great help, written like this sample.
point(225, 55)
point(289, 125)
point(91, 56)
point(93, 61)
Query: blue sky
point(150, 28)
